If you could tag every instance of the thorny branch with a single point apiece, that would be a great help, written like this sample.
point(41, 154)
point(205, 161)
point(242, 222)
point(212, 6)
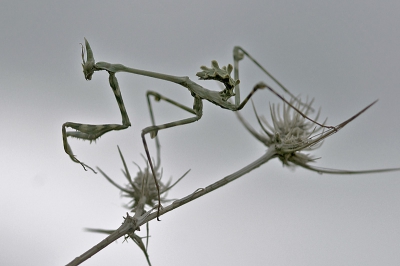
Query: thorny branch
point(277, 149)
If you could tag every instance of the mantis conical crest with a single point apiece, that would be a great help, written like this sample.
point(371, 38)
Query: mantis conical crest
point(88, 65)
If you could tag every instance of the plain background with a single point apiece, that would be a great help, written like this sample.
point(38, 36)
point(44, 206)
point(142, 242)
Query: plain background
point(345, 54)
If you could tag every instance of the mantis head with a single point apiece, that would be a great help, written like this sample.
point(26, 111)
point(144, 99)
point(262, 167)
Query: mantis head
point(88, 65)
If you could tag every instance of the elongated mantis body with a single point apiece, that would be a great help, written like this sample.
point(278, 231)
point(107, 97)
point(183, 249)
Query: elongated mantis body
point(199, 93)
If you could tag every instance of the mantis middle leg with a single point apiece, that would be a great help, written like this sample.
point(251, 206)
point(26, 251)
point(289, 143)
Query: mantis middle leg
point(197, 110)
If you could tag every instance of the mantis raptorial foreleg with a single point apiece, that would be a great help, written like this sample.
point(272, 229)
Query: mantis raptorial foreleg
point(92, 132)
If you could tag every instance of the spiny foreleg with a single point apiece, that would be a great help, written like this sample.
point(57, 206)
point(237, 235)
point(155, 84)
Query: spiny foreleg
point(93, 132)
point(85, 132)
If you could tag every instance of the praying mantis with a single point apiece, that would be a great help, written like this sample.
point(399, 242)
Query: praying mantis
point(199, 93)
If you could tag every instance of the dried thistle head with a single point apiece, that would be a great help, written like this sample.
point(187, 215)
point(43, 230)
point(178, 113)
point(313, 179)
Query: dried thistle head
point(290, 134)
point(142, 190)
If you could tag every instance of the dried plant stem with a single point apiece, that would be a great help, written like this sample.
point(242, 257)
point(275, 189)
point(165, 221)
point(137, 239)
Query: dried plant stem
point(127, 226)
point(270, 154)
point(132, 224)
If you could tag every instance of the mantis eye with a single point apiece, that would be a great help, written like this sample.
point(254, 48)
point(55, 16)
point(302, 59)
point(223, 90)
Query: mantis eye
point(88, 73)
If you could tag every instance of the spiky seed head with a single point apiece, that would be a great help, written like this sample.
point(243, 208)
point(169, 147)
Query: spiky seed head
point(142, 189)
point(289, 132)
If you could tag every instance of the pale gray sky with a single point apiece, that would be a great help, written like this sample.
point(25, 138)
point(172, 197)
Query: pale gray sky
point(344, 54)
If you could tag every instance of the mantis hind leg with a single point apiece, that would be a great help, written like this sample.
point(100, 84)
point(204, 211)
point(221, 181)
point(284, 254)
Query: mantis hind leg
point(238, 54)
